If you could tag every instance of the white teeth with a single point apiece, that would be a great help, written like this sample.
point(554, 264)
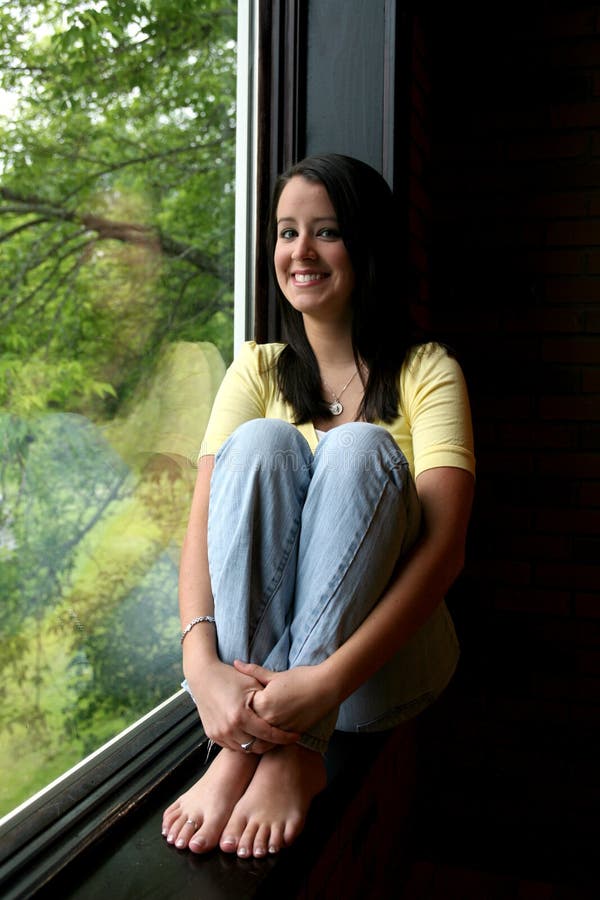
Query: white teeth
point(303, 279)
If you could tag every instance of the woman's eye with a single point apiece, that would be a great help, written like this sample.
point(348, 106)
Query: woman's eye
point(330, 233)
point(287, 233)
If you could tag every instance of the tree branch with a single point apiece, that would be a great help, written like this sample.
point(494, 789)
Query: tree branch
point(109, 229)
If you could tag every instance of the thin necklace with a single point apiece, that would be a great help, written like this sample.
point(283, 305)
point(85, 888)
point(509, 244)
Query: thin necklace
point(335, 407)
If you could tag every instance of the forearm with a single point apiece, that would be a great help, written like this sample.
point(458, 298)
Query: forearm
point(195, 592)
point(406, 605)
point(419, 586)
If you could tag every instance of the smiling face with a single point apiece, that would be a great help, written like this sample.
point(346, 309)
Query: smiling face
point(312, 265)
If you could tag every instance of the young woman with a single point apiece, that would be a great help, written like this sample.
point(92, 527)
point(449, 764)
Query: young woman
point(334, 490)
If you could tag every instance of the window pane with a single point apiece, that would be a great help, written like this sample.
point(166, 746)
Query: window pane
point(117, 153)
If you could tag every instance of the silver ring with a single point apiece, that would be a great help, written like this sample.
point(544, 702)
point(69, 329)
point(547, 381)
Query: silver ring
point(192, 822)
point(247, 747)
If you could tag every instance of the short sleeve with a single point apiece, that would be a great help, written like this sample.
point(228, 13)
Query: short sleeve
point(436, 404)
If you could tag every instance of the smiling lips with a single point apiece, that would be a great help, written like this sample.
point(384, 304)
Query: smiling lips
point(307, 277)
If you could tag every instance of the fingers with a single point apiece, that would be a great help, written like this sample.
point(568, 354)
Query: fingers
point(264, 676)
point(249, 727)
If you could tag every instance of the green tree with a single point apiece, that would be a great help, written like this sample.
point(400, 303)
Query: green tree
point(116, 193)
point(117, 152)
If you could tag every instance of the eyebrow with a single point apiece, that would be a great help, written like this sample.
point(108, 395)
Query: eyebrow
point(318, 219)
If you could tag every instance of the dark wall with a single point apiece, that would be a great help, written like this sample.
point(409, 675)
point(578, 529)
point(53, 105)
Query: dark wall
point(514, 264)
point(488, 125)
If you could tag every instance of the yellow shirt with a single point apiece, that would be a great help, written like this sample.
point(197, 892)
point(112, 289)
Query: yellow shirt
point(433, 427)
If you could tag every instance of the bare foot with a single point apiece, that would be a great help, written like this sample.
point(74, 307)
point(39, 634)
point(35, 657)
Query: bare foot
point(271, 813)
point(197, 818)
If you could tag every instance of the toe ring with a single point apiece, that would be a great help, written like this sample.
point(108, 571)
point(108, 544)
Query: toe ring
point(192, 822)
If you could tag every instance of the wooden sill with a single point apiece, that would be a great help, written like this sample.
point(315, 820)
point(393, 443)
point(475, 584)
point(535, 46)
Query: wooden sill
point(351, 844)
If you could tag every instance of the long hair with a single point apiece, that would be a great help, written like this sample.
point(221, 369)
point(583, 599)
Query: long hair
point(382, 332)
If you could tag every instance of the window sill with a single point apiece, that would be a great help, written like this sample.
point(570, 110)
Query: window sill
point(352, 837)
point(51, 830)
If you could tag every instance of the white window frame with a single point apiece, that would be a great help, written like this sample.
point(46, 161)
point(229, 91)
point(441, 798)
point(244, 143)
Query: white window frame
point(39, 837)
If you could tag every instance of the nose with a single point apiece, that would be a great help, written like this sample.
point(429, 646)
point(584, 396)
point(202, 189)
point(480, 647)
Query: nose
point(303, 247)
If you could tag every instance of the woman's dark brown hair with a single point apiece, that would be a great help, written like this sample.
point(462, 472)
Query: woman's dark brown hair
point(382, 332)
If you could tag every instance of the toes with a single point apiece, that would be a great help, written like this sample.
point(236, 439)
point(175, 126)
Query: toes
point(275, 839)
point(170, 815)
point(245, 845)
point(261, 842)
point(188, 829)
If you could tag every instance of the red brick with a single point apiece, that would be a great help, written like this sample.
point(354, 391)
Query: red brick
point(556, 603)
point(587, 605)
point(593, 264)
point(548, 146)
point(545, 320)
point(559, 262)
point(568, 521)
point(583, 465)
point(574, 54)
point(590, 384)
point(569, 409)
point(567, 24)
point(575, 232)
point(539, 546)
point(568, 576)
point(590, 494)
point(527, 434)
point(570, 350)
point(592, 325)
point(578, 289)
point(588, 660)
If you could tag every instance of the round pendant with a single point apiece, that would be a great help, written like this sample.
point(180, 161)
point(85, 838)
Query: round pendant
point(336, 408)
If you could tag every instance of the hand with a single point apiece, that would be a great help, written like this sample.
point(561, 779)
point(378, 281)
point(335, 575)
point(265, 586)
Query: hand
point(224, 700)
point(293, 700)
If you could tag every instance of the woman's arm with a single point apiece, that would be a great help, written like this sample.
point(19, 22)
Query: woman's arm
point(309, 692)
point(446, 496)
point(222, 694)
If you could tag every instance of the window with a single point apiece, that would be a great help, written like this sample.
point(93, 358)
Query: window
point(118, 188)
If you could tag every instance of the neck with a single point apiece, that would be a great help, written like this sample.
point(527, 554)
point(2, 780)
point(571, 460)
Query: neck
point(332, 345)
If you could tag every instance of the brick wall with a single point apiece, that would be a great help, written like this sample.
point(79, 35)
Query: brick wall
point(514, 262)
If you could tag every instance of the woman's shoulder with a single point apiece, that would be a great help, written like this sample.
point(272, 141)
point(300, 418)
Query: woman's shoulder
point(426, 357)
point(258, 358)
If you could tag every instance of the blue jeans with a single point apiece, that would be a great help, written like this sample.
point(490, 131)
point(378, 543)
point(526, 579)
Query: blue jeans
point(302, 546)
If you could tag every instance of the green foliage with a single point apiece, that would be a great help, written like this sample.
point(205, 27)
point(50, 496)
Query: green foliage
point(116, 192)
point(117, 152)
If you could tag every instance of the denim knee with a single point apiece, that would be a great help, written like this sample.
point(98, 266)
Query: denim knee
point(266, 444)
point(360, 447)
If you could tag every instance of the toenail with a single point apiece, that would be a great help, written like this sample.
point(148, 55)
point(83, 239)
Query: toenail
point(180, 842)
point(273, 849)
point(197, 842)
point(242, 851)
point(260, 851)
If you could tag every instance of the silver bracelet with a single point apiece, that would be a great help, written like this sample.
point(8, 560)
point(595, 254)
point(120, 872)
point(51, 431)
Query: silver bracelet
point(196, 621)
